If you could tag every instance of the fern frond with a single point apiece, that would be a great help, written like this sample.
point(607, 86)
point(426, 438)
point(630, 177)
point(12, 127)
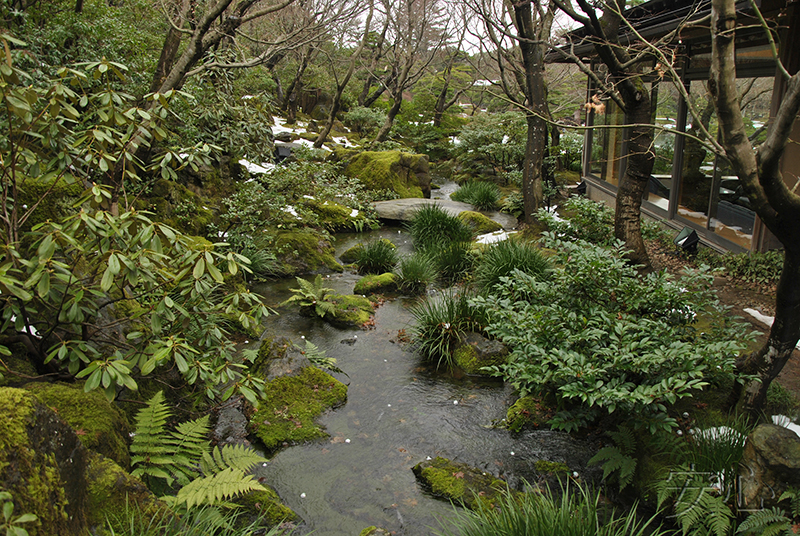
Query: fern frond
point(768, 521)
point(323, 307)
point(718, 514)
point(613, 460)
point(150, 423)
point(625, 439)
point(190, 438)
point(235, 456)
point(215, 488)
point(793, 495)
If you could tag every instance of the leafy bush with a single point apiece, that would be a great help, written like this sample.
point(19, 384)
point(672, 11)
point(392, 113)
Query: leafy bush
point(441, 322)
point(584, 220)
point(570, 150)
point(597, 337)
point(365, 121)
point(415, 272)
point(536, 513)
point(483, 195)
point(492, 142)
point(501, 259)
point(432, 227)
point(513, 204)
point(376, 257)
point(756, 267)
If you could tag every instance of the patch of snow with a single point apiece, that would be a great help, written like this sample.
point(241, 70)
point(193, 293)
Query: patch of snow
point(455, 141)
point(308, 196)
point(248, 97)
point(786, 422)
point(30, 329)
point(491, 238)
point(354, 213)
point(265, 167)
point(505, 139)
point(344, 142)
point(289, 209)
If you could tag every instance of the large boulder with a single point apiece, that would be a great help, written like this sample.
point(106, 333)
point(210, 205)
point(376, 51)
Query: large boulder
point(770, 465)
point(404, 173)
point(460, 483)
point(475, 351)
point(305, 251)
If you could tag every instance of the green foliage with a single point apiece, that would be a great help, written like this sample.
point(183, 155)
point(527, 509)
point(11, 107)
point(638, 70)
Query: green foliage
point(376, 257)
point(619, 459)
point(570, 150)
point(513, 204)
point(535, 513)
point(585, 220)
point(11, 524)
point(313, 296)
point(432, 227)
point(492, 142)
point(206, 476)
point(481, 194)
point(415, 272)
point(453, 261)
point(318, 358)
point(698, 506)
point(756, 267)
point(200, 521)
point(774, 521)
point(365, 121)
point(441, 322)
point(596, 336)
point(501, 259)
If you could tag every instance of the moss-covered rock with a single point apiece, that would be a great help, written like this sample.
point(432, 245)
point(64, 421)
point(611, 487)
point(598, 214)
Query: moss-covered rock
point(479, 223)
point(527, 412)
point(404, 173)
point(291, 403)
point(351, 310)
point(376, 284)
point(42, 465)
point(476, 351)
point(374, 531)
point(304, 251)
point(179, 206)
point(55, 196)
point(100, 425)
point(265, 507)
point(335, 216)
point(112, 491)
point(19, 366)
point(460, 483)
point(553, 468)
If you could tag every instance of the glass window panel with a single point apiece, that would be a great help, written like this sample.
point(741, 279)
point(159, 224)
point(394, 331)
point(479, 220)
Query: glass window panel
point(663, 144)
point(697, 173)
point(607, 143)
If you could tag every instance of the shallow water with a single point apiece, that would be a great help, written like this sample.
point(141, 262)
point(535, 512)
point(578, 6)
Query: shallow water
point(399, 411)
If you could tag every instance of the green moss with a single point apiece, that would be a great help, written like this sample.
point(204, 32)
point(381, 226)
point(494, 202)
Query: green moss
point(479, 223)
point(527, 411)
point(19, 363)
point(467, 357)
point(303, 251)
point(267, 507)
point(351, 310)
point(291, 403)
point(271, 349)
point(374, 531)
point(32, 478)
point(334, 216)
point(554, 468)
point(112, 490)
point(460, 483)
point(101, 426)
point(376, 284)
point(55, 196)
point(404, 173)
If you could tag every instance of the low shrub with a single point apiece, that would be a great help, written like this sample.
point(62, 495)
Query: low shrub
point(500, 260)
point(432, 227)
point(376, 257)
point(483, 195)
point(415, 272)
point(581, 219)
point(758, 268)
point(599, 338)
point(440, 324)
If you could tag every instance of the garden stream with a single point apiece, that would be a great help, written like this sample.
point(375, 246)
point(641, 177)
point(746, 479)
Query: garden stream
point(399, 411)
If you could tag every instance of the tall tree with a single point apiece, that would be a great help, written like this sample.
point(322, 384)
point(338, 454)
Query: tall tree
point(778, 206)
point(630, 93)
point(519, 33)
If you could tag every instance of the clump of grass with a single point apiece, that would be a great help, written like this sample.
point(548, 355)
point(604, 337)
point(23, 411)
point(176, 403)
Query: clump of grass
point(453, 261)
point(442, 322)
point(576, 512)
point(501, 259)
point(432, 227)
point(482, 195)
point(415, 272)
point(377, 257)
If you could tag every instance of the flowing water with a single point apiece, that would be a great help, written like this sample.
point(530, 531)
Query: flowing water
point(399, 412)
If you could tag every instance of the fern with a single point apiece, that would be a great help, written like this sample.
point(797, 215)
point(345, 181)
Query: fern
point(318, 358)
point(312, 295)
point(767, 522)
point(218, 487)
point(698, 507)
point(618, 459)
point(207, 476)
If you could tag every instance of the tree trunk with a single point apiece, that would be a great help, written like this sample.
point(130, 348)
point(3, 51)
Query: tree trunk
point(767, 362)
point(640, 160)
point(383, 133)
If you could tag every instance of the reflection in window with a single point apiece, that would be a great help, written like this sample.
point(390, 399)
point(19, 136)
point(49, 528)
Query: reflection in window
point(663, 145)
point(607, 143)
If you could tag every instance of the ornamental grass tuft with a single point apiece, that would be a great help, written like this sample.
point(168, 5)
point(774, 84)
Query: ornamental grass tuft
point(415, 272)
point(482, 195)
point(377, 257)
point(501, 259)
point(432, 227)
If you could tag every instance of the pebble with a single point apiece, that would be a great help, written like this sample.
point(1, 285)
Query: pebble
point(302, 495)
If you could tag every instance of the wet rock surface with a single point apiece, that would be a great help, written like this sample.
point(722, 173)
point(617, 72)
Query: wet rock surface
point(770, 465)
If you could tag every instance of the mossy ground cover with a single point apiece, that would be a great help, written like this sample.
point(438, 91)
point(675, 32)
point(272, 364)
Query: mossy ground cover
point(479, 223)
point(101, 426)
point(460, 483)
point(376, 284)
point(302, 251)
point(404, 173)
point(290, 405)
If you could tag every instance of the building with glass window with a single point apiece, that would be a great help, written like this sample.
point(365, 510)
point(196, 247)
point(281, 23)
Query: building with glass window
point(689, 185)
